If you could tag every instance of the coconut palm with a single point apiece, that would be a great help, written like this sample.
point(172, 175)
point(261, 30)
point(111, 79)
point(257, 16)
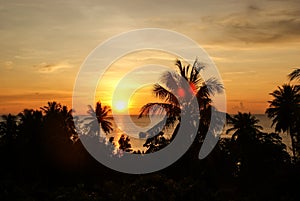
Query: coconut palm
point(244, 126)
point(100, 116)
point(244, 141)
point(124, 143)
point(52, 108)
point(8, 128)
point(173, 86)
point(60, 116)
point(29, 115)
point(30, 122)
point(284, 110)
point(178, 90)
point(295, 75)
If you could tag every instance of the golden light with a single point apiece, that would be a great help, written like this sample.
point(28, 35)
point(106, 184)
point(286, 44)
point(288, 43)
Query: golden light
point(120, 106)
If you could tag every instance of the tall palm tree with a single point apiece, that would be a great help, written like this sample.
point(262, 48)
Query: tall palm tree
point(295, 75)
point(184, 86)
point(100, 116)
point(172, 87)
point(284, 110)
point(244, 126)
point(243, 141)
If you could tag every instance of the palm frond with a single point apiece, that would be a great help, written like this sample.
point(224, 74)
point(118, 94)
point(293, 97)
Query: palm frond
point(214, 86)
point(180, 67)
point(159, 109)
point(295, 75)
point(171, 80)
point(198, 65)
point(164, 94)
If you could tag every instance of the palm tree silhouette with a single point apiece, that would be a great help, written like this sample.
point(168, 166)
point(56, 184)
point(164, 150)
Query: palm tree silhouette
point(8, 128)
point(29, 141)
point(52, 108)
point(184, 87)
point(9, 132)
point(61, 116)
point(30, 115)
point(284, 110)
point(244, 141)
point(174, 88)
point(30, 122)
point(124, 143)
point(244, 125)
point(295, 75)
point(100, 116)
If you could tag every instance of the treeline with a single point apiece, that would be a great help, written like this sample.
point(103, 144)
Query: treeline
point(43, 159)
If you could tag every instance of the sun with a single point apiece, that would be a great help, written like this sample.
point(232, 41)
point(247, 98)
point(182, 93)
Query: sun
point(120, 106)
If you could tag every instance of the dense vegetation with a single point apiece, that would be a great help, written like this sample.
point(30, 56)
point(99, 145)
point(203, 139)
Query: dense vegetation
point(42, 157)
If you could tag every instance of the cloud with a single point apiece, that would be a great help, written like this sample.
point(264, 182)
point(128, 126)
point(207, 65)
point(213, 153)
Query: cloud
point(257, 24)
point(50, 68)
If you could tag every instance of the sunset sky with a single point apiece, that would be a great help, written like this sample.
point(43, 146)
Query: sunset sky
point(254, 44)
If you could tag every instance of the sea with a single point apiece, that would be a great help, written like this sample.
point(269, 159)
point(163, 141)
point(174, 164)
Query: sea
point(133, 126)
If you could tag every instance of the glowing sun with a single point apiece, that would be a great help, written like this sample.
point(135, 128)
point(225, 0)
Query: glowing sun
point(120, 106)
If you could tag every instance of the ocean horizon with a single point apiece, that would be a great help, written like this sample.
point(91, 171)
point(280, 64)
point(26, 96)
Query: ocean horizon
point(144, 122)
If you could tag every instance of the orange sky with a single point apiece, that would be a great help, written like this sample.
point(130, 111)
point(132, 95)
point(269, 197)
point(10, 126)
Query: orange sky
point(254, 44)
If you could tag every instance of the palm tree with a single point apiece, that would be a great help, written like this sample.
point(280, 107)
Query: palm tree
point(52, 108)
point(173, 87)
point(244, 125)
point(100, 116)
point(60, 116)
point(295, 75)
point(30, 122)
point(284, 110)
point(243, 142)
point(29, 144)
point(9, 131)
point(30, 115)
point(8, 128)
point(124, 143)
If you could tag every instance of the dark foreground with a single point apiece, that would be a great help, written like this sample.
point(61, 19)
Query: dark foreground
point(43, 159)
